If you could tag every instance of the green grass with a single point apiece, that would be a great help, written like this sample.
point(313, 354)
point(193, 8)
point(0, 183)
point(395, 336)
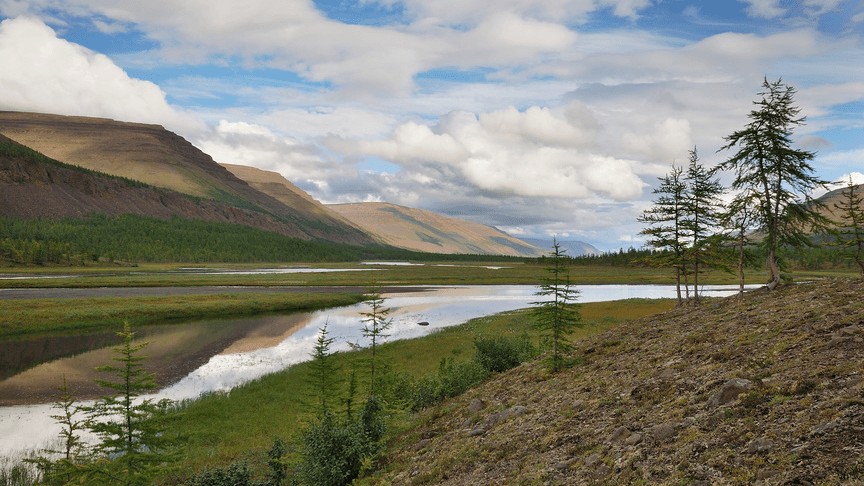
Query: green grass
point(242, 424)
point(430, 273)
point(28, 317)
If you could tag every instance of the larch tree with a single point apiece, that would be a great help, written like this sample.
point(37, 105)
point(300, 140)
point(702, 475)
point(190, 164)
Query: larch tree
point(778, 177)
point(134, 443)
point(376, 322)
point(558, 316)
point(701, 215)
point(323, 371)
point(665, 220)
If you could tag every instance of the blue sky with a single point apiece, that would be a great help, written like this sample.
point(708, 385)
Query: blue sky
point(539, 117)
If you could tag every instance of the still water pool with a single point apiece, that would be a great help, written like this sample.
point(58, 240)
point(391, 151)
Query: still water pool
point(216, 355)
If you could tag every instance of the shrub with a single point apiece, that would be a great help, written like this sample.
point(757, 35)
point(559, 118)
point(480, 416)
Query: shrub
point(334, 452)
point(502, 353)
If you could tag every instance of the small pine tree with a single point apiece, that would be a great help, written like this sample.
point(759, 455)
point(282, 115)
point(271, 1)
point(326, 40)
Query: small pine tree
point(376, 322)
point(323, 371)
point(557, 317)
point(851, 225)
point(62, 465)
point(133, 441)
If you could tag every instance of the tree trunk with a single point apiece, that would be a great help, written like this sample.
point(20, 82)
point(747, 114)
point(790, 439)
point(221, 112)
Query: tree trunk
point(741, 266)
point(773, 271)
point(678, 284)
point(696, 281)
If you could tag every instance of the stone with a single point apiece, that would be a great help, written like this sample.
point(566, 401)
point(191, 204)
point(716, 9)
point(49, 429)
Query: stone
point(661, 433)
point(476, 405)
point(423, 443)
point(621, 433)
point(476, 432)
point(759, 446)
point(593, 459)
point(824, 428)
point(729, 392)
point(633, 439)
point(503, 415)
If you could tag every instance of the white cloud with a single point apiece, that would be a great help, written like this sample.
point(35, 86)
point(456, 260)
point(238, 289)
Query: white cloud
point(841, 183)
point(43, 73)
point(767, 9)
point(534, 153)
point(454, 12)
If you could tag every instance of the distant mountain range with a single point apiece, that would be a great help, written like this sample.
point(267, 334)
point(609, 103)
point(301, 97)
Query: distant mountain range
point(574, 248)
point(83, 165)
point(421, 230)
point(389, 224)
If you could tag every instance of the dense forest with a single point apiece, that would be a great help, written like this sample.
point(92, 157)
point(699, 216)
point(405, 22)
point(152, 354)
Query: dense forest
point(132, 238)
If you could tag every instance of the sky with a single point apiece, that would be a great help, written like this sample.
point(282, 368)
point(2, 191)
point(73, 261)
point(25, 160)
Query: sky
point(539, 117)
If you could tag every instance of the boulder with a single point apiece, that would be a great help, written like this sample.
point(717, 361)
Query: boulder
point(729, 392)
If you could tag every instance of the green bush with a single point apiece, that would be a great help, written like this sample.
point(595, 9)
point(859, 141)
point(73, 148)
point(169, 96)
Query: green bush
point(453, 379)
point(335, 451)
point(502, 353)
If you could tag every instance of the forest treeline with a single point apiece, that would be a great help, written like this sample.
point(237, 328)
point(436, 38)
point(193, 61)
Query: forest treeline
point(138, 239)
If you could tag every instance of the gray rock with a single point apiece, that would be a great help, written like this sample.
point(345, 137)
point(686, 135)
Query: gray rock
point(476, 432)
point(621, 433)
point(503, 415)
point(476, 405)
point(633, 439)
point(729, 392)
point(662, 432)
point(824, 428)
point(593, 459)
point(759, 446)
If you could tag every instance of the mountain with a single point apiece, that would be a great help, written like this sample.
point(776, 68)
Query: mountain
point(412, 229)
point(764, 389)
point(162, 159)
point(281, 189)
point(574, 248)
point(416, 229)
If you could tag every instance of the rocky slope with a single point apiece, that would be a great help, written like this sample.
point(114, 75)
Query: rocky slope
point(416, 229)
point(155, 156)
point(767, 389)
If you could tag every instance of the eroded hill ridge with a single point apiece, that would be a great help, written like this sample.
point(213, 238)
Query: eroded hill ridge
point(761, 390)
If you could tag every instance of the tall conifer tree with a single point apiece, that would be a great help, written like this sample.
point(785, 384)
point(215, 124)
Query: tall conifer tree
point(778, 177)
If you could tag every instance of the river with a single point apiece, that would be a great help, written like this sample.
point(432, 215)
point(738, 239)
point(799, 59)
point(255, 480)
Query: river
point(216, 355)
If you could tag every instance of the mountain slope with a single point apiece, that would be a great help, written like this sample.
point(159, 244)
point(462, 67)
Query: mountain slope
point(155, 156)
point(420, 230)
point(767, 389)
point(34, 186)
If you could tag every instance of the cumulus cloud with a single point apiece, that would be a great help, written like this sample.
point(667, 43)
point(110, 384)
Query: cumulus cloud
point(253, 145)
point(531, 153)
point(43, 73)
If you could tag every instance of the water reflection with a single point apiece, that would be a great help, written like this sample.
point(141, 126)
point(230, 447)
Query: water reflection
point(193, 358)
